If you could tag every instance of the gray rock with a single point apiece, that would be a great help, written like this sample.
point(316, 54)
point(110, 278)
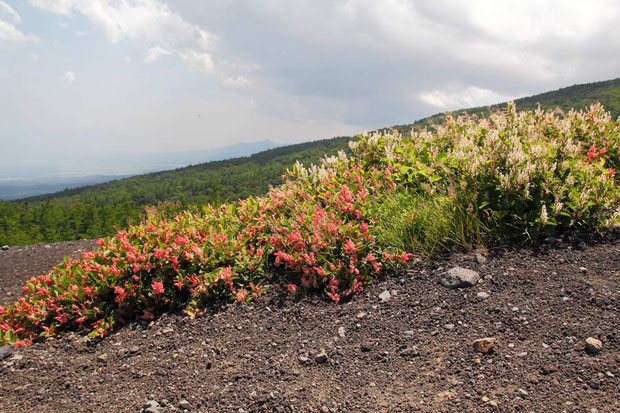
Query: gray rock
point(482, 295)
point(410, 351)
point(303, 359)
point(341, 331)
point(481, 258)
point(458, 277)
point(321, 357)
point(593, 345)
point(522, 393)
point(5, 248)
point(5, 351)
point(385, 296)
point(151, 407)
point(184, 404)
point(448, 326)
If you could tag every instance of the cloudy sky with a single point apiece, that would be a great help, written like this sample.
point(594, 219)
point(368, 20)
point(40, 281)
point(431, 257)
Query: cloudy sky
point(81, 79)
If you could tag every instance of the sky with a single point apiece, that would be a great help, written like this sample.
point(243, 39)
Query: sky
point(82, 81)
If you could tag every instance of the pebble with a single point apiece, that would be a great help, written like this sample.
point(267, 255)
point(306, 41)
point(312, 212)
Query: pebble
point(385, 296)
point(548, 369)
point(321, 357)
point(303, 359)
point(593, 345)
point(484, 345)
point(448, 326)
point(410, 351)
point(522, 393)
point(459, 277)
point(341, 331)
point(184, 404)
point(134, 349)
point(367, 346)
point(482, 295)
point(151, 406)
point(481, 258)
point(5, 248)
point(583, 269)
point(102, 358)
point(522, 354)
point(361, 315)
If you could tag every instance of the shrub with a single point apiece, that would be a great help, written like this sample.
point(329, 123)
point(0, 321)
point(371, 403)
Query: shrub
point(335, 226)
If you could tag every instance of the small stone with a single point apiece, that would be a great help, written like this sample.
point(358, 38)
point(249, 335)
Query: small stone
point(341, 331)
point(48, 246)
point(321, 357)
point(5, 248)
point(361, 315)
point(385, 296)
point(151, 407)
point(583, 269)
point(448, 326)
point(410, 351)
point(610, 374)
point(434, 332)
point(303, 359)
point(522, 354)
point(593, 345)
point(167, 330)
point(482, 295)
point(493, 403)
point(367, 346)
point(481, 258)
point(134, 349)
point(548, 369)
point(184, 404)
point(6, 351)
point(484, 345)
point(458, 277)
point(522, 393)
point(102, 358)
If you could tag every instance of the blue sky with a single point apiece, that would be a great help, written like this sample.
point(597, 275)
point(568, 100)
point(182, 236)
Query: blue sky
point(83, 80)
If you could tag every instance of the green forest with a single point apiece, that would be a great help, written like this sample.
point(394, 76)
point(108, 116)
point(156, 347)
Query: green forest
point(99, 210)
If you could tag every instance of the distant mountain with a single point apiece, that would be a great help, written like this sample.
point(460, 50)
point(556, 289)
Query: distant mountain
point(11, 189)
point(22, 183)
point(96, 210)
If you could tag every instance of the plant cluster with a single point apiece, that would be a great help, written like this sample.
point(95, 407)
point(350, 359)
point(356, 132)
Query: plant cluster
point(335, 226)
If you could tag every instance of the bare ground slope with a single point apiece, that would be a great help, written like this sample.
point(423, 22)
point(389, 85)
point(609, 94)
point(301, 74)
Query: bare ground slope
point(411, 353)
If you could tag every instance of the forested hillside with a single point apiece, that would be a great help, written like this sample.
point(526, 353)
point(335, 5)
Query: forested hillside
point(97, 210)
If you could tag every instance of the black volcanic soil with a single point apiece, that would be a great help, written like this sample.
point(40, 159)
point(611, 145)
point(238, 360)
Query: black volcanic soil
point(252, 358)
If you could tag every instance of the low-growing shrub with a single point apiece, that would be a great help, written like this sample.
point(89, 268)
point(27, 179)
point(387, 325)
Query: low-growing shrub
point(335, 226)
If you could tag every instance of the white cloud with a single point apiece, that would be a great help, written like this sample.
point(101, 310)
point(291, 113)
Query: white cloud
point(69, 77)
point(9, 10)
point(456, 98)
point(146, 21)
point(198, 61)
point(8, 31)
point(237, 82)
point(154, 53)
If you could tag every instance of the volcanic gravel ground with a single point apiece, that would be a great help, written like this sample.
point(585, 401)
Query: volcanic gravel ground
point(411, 353)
